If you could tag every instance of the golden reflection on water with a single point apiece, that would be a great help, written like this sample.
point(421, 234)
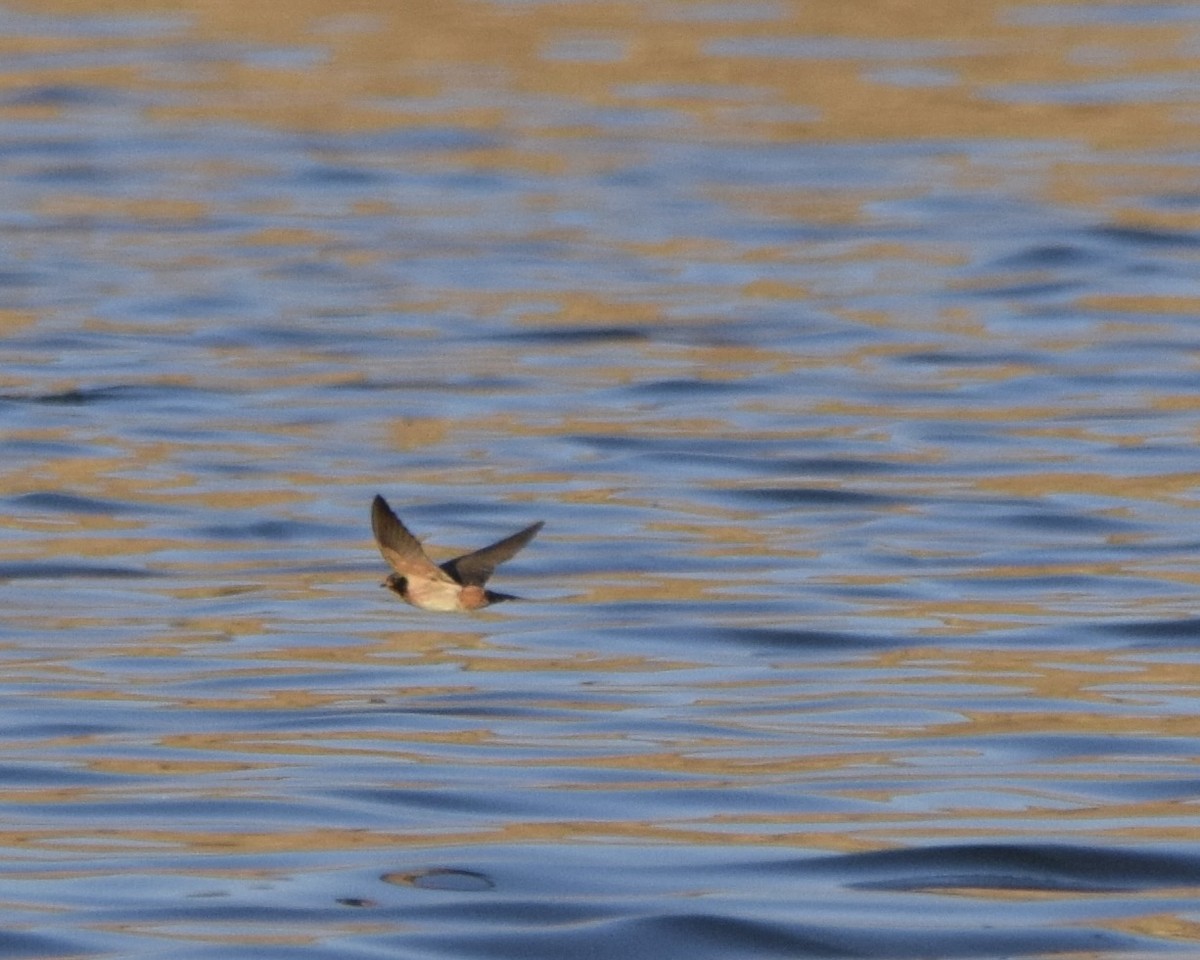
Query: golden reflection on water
point(1107, 692)
point(370, 67)
point(654, 54)
point(1168, 926)
point(262, 667)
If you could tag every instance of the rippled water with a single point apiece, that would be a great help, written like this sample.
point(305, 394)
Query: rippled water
point(849, 356)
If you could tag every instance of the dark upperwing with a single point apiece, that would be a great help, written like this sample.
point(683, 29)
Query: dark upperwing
point(401, 549)
point(474, 569)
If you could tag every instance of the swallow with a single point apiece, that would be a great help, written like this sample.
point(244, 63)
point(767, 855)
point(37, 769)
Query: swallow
point(457, 584)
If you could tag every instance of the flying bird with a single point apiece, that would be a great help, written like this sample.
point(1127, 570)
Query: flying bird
point(455, 585)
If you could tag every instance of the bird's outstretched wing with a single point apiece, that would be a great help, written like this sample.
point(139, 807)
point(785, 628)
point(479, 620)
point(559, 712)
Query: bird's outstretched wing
point(400, 548)
point(473, 569)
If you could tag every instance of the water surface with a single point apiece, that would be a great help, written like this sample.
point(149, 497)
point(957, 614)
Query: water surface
point(849, 357)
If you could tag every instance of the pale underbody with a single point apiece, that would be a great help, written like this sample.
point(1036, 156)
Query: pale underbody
point(437, 595)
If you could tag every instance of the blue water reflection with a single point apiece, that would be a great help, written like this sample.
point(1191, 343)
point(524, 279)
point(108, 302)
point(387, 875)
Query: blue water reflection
point(849, 363)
